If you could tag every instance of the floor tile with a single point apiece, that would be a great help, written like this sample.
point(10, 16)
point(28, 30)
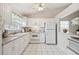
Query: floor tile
point(43, 49)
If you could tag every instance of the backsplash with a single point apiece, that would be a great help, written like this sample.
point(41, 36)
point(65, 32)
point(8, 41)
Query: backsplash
point(73, 29)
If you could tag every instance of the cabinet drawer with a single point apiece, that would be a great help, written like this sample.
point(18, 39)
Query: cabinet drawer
point(74, 46)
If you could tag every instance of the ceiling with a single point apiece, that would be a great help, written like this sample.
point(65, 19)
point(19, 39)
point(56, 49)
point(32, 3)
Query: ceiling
point(71, 16)
point(51, 10)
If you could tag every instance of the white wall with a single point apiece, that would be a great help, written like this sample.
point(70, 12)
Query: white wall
point(1, 27)
point(41, 20)
point(62, 38)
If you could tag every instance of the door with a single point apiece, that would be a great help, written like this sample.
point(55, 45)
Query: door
point(50, 37)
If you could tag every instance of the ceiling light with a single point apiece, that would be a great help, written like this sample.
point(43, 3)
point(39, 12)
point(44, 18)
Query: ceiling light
point(39, 6)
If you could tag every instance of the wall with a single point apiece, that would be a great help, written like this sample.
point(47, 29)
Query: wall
point(62, 38)
point(41, 20)
point(1, 26)
point(7, 13)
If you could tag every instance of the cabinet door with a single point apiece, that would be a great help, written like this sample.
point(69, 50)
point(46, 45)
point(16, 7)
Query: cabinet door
point(22, 44)
point(74, 46)
point(8, 49)
point(26, 40)
point(16, 47)
point(50, 37)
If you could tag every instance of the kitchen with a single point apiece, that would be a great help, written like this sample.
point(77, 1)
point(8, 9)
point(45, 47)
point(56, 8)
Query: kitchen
point(27, 29)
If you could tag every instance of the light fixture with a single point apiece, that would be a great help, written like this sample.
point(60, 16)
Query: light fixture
point(39, 6)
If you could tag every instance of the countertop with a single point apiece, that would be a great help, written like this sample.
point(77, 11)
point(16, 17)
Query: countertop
point(74, 38)
point(13, 37)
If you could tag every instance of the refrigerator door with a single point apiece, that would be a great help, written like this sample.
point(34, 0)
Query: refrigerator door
point(50, 36)
point(50, 25)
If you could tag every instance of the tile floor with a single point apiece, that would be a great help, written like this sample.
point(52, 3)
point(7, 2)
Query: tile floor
point(43, 49)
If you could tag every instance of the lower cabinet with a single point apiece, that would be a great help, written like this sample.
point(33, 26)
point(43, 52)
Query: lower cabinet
point(16, 47)
point(74, 45)
point(8, 48)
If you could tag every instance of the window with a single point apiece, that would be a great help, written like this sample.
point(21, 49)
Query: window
point(64, 26)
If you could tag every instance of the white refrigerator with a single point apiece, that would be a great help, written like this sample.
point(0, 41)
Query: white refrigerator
point(50, 31)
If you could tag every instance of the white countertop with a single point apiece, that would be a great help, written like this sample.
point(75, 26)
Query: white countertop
point(13, 37)
point(74, 38)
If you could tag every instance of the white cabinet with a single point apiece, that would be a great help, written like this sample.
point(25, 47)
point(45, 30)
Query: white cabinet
point(12, 48)
point(8, 49)
point(74, 45)
point(17, 46)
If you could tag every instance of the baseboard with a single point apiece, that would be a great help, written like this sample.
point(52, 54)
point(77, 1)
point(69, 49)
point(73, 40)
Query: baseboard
point(50, 44)
point(36, 43)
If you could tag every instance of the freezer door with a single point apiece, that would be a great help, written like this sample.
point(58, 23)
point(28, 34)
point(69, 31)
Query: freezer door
point(50, 25)
point(50, 37)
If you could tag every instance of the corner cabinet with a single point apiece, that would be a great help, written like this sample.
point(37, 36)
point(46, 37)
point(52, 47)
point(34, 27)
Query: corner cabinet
point(17, 46)
point(74, 45)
